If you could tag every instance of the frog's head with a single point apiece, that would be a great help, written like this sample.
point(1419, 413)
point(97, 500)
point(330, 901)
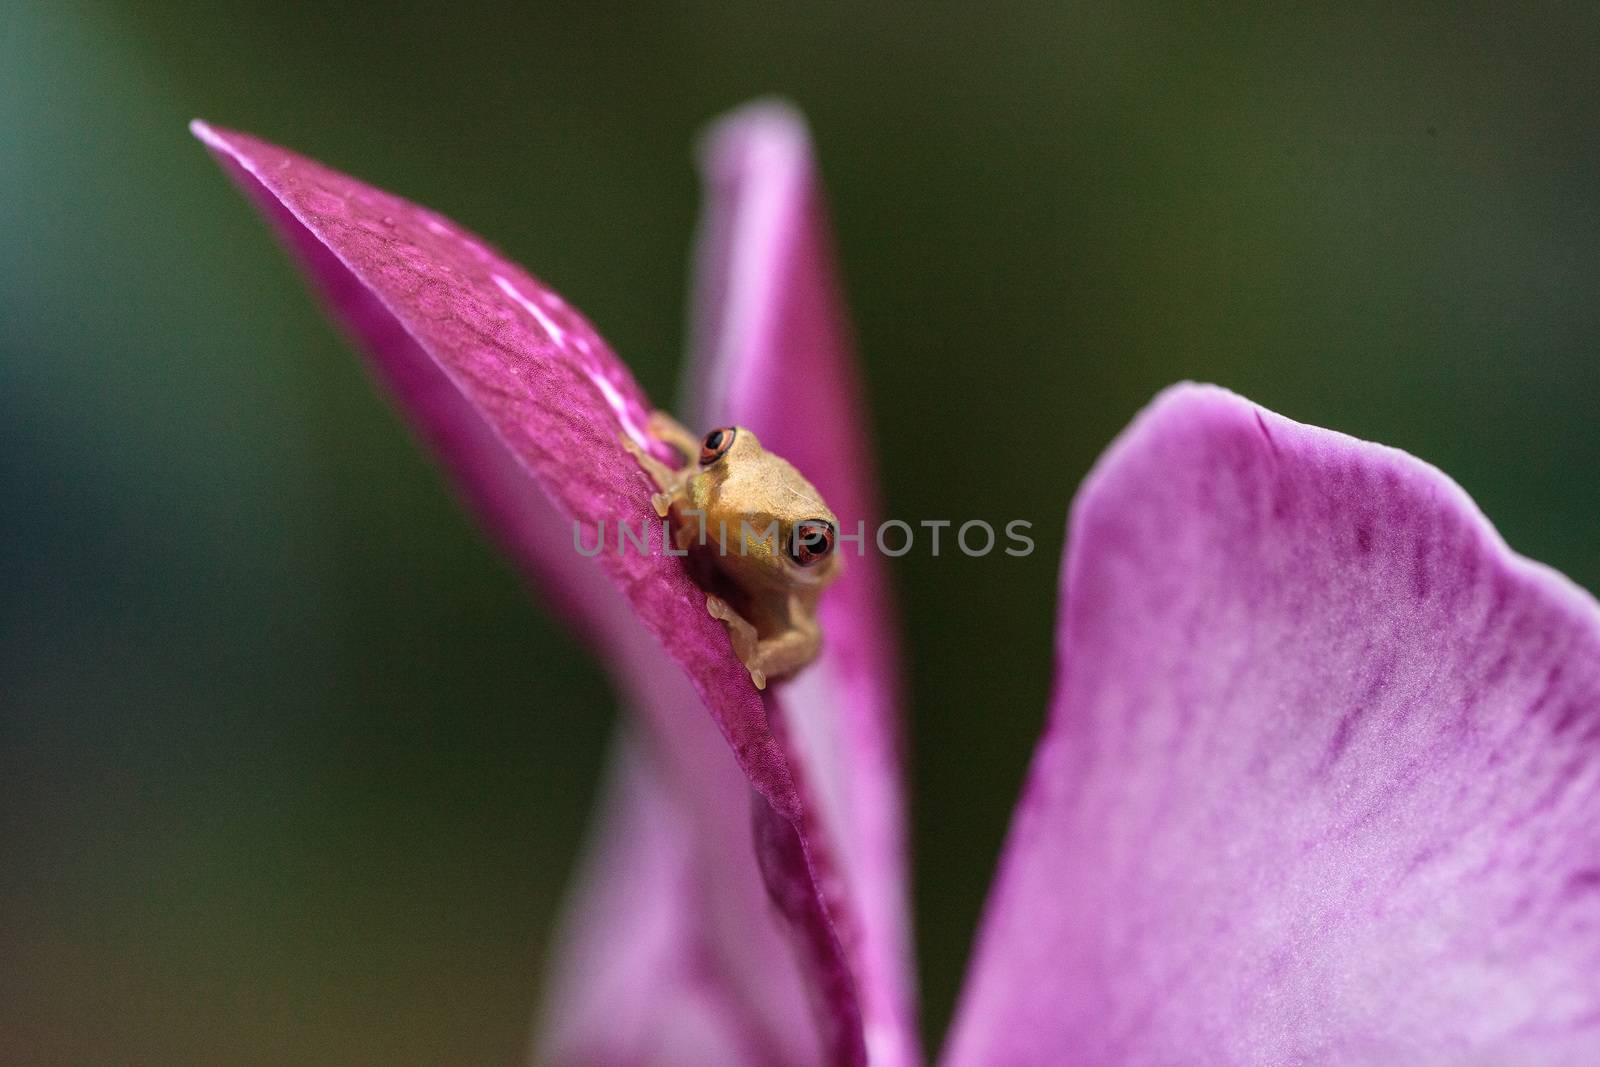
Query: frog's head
point(772, 526)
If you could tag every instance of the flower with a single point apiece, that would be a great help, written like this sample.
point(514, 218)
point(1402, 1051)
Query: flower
point(1320, 780)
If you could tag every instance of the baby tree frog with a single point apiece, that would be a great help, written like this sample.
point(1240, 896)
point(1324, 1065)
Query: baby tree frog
point(759, 540)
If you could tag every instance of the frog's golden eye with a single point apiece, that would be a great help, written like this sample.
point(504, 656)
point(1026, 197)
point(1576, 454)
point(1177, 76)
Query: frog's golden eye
point(716, 445)
point(812, 541)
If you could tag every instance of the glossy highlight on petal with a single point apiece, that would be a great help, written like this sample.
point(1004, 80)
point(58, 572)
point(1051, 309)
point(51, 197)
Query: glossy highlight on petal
point(1321, 778)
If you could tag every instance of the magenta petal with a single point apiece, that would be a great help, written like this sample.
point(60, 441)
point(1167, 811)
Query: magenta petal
point(640, 999)
point(670, 955)
point(526, 405)
point(773, 353)
point(671, 924)
point(518, 393)
point(1321, 780)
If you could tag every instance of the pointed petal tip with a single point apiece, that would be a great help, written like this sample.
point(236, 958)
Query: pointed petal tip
point(765, 129)
point(769, 114)
point(223, 144)
point(206, 133)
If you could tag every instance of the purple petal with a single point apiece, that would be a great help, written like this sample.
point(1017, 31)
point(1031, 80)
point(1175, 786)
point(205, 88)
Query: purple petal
point(1321, 780)
point(673, 886)
point(670, 954)
point(525, 403)
point(774, 353)
point(640, 999)
point(521, 398)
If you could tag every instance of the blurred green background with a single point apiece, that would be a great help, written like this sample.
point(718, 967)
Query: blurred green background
point(292, 771)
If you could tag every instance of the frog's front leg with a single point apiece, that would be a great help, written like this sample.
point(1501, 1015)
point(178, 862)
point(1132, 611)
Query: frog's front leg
point(664, 427)
point(772, 657)
point(741, 634)
point(667, 478)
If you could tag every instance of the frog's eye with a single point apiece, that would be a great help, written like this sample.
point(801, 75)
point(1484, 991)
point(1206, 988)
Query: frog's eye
point(812, 541)
point(716, 445)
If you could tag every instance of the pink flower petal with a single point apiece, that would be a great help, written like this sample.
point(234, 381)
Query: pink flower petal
point(526, 405)
point(774, 354)
point(649, 972)
point(1321, 781)
point(520, 396)
point(673, 887)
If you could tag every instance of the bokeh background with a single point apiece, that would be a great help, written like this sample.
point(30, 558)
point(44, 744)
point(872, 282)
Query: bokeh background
point(292, 771)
